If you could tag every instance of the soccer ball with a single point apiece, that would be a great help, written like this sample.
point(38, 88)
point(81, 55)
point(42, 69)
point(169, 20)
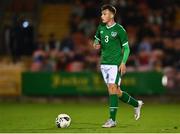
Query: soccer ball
point(63, 121)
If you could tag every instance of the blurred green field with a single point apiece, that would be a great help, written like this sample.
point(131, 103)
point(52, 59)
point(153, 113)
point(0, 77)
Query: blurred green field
point(87, 117)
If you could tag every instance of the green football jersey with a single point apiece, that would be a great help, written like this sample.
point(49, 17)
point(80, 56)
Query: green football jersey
point(111, 39)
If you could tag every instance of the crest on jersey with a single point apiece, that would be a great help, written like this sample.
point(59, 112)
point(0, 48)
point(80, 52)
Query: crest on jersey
point(113, 34)
point(101, 32)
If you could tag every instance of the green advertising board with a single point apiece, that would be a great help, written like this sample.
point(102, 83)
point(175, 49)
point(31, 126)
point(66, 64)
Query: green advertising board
point(87, 83)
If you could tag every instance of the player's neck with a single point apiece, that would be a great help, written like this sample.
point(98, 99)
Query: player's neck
point(110, 23)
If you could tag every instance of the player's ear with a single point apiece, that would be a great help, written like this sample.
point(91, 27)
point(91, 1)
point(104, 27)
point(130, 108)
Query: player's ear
point(112, 16)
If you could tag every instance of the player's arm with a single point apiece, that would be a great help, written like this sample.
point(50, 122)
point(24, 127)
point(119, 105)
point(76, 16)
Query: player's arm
point(126, 54)
point(122, 67)
point(126, 51)
point(96, 43)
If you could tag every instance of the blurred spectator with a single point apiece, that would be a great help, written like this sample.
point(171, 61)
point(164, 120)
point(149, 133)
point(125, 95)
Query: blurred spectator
point(91, 10)
point(39, 57)
point(87, 27)
point(39, 42)
point(52, 42)
point(53, 57)
point(91, 60)
point(67, 44)
point(145, 45)
point(177, 53)
point(168, 51)
point(75, 20)
point(77, 8)
point(7, 35)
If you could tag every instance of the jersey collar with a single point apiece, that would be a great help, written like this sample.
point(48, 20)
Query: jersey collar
point(110, 26)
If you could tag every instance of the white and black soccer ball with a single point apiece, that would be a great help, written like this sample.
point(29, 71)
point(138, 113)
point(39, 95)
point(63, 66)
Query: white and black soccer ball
point(63, 121)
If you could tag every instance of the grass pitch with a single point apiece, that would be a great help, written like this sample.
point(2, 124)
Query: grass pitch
point(87, 117)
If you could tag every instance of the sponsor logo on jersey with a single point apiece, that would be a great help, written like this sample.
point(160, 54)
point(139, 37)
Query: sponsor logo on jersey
point(113, 34)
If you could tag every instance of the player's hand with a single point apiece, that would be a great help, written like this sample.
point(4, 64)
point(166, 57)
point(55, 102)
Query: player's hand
point(97, 46)
point(122, 69)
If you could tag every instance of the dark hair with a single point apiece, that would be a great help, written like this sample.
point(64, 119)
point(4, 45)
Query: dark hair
point(109, 7)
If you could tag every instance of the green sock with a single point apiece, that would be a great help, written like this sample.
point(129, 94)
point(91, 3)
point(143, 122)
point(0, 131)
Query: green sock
point(126, 98)
point(113, 103)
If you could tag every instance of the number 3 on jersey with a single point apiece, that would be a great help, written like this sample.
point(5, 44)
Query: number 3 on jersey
point(106, 39)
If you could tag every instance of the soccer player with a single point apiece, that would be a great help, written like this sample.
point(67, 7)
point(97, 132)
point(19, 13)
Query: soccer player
point(112, 39)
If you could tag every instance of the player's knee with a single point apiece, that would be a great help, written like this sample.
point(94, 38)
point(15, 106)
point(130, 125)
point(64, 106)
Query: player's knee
point(112, 89)
point(119, 91)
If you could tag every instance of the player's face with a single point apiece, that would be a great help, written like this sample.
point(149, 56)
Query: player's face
point(106, 16)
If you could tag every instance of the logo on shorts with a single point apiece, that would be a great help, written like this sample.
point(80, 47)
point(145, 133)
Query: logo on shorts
point(112, 79)
point(113, 34)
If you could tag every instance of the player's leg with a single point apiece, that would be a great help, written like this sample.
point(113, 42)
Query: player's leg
point(109, 74)
point(113, 106)
point(126, 98)
point(113, 100)
point(112, 89)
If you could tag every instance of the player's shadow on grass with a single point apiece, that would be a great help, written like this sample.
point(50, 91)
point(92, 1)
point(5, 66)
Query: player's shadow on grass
point(125, 125)
point(87, 123)
point(100, 124)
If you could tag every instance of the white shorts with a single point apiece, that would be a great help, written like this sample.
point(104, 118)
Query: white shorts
point(111, 74)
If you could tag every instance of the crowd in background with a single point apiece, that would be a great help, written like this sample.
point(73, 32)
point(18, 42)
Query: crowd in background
point(153, 32)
